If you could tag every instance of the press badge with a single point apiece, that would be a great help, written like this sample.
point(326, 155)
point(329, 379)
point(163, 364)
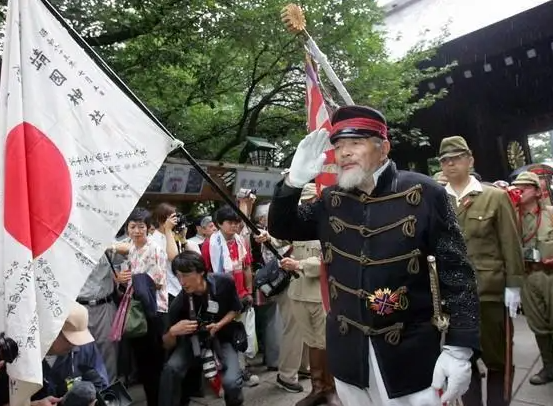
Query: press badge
point(212, 307)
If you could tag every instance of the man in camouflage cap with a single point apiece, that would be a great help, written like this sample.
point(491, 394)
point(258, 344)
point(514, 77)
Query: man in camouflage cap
point(489, 225)
point(536, 220)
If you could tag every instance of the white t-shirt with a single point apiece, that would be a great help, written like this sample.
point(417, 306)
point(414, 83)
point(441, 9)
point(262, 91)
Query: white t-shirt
point(173, 285)
point(197, 239)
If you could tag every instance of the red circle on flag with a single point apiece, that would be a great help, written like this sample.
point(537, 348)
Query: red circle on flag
point(38, 192)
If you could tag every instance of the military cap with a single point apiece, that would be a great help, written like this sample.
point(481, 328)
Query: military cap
point(453, 146)
point(358, 122)
point(527, 178)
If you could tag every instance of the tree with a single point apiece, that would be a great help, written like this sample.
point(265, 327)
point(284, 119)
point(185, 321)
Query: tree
point(217, 71)
point(540, 147)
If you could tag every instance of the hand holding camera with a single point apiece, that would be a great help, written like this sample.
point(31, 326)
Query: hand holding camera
point(213, 328)
point(171, 222)
point(184, 327)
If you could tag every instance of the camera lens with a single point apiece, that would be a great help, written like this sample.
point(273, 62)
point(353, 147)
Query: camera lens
point(111, 398)
point(8, 349)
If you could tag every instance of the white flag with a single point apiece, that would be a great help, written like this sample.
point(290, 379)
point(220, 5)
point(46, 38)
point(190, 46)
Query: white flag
point(76, 155)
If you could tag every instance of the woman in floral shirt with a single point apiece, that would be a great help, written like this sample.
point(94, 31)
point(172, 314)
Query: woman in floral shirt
point(146, 257)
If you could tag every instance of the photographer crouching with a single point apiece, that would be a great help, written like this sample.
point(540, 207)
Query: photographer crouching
point(202, 331)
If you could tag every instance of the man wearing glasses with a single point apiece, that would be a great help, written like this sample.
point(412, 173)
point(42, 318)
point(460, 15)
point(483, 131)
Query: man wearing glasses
point(489, 226)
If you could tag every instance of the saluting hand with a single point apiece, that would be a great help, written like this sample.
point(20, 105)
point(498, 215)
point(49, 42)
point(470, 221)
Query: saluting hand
point(309, 158)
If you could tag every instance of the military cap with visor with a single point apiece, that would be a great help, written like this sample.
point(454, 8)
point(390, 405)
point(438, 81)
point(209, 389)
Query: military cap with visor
point(358, 122)
point(527, 178)
point(451, 147)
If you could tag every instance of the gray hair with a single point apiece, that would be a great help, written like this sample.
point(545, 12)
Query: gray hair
point(377, 141)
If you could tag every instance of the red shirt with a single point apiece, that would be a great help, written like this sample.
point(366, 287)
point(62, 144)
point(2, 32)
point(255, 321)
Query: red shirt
point(238, 275)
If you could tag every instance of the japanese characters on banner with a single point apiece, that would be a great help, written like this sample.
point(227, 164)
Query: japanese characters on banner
point(262, 182)
point(76, 155)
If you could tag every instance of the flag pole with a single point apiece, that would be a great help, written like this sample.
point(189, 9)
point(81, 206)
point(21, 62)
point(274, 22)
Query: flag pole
point(125, 89)
point(294, 19)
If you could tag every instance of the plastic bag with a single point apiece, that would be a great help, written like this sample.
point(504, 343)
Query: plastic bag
point(248, 319)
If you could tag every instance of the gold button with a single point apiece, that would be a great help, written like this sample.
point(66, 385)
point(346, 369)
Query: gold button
point(479, 217)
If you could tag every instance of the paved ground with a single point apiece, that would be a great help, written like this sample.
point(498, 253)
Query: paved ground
point(526, 360)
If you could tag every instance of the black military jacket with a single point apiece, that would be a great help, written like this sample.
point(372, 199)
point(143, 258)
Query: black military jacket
point(376, 248)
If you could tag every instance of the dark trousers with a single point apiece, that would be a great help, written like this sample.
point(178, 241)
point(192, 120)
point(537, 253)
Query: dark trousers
point(182, 360)
point(149, 356)
point(193, 382)
point(493, 339)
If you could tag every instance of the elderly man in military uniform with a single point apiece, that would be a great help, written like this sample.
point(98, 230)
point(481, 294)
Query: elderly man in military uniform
point(488, 220)
point(537, 292)
point(378, 228)
point(307, 307)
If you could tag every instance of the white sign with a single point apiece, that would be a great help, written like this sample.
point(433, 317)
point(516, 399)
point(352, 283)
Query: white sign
point(263, 182)
point(76, 155)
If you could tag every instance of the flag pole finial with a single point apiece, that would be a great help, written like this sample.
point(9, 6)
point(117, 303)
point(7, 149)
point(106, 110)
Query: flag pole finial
point(293, 18)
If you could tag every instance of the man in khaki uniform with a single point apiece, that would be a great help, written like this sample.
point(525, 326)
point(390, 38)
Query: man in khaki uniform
point(489, 226)
point(307, 306)
point(293, 358)
point(537, 292)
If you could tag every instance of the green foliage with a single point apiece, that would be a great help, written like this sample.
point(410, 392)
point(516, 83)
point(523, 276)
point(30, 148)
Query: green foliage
point(540, 147)
point(217, 71)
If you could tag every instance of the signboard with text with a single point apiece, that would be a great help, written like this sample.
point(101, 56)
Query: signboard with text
point(263, 182)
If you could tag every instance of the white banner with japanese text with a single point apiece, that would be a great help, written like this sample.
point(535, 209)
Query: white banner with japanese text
point(262, 183)
point(76, 155)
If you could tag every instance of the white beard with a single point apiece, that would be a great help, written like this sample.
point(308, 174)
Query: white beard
point(353, 178)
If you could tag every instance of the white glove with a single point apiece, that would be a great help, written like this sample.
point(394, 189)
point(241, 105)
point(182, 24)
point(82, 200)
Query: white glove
point(452, 372)
point(512, 300)
point(309, 159)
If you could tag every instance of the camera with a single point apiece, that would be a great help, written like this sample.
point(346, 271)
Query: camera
point(8, 349)
point(531, 255)
point(209, 363)
point(182, 223)
point(115, 395)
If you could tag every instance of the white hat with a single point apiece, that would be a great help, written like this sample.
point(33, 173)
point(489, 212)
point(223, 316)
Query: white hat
point(75, 329)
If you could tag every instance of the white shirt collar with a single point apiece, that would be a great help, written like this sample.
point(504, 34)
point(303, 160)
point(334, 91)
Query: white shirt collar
point(379, 171)
point(473, 186)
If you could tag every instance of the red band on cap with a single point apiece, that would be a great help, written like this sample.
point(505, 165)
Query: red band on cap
point(361, 124)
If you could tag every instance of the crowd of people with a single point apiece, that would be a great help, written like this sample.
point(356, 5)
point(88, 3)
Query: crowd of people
point(184, 290)
point(410, 283)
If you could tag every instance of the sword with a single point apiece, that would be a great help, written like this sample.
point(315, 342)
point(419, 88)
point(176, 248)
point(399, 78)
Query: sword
point(439, 319)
